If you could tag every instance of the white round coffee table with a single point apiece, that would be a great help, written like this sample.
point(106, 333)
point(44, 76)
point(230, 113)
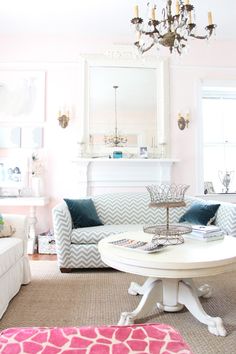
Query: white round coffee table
point(170, 273)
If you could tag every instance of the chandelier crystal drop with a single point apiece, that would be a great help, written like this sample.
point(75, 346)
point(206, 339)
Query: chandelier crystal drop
point(115, 140)
point(168, 28)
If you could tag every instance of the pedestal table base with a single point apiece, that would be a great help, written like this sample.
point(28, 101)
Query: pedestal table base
point(172, 295)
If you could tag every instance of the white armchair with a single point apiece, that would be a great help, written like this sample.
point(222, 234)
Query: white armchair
point(14, 262)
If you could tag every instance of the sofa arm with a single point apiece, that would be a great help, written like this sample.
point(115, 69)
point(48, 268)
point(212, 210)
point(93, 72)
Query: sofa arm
point(226, 217)
point(19, 222)
point(62, 225)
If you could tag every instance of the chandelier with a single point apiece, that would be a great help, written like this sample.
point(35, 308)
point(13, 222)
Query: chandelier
point(115, 139)
point(171, 30)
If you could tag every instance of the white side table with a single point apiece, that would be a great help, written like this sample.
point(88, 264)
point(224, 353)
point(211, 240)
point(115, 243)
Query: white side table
point(32, 203)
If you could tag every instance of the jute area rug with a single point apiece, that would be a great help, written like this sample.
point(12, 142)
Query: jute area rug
point(97, 297)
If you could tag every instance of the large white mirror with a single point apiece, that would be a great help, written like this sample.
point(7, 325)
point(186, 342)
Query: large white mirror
point(128, 100)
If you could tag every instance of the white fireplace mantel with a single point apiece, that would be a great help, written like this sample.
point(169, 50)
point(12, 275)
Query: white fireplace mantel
point(99, 175)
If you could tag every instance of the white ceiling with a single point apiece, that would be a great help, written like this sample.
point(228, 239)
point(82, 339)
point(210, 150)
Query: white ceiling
point(100, 19)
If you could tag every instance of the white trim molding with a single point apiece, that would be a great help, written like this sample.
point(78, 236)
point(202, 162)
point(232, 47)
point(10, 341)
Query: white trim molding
point(97, 175)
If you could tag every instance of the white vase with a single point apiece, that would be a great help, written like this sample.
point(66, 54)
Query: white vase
point(37, 186)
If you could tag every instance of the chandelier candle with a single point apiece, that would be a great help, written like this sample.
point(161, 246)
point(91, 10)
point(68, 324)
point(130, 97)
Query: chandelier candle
point(153, 15)
point(209, 18)
point(171, 30)
point(177, 8)
point(136, 11)
point(190, 17)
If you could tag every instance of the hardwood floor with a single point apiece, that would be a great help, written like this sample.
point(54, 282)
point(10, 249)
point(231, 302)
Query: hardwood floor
point(42, 257)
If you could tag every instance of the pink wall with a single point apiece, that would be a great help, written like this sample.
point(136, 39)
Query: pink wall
point(59, 58)
point(215, 62)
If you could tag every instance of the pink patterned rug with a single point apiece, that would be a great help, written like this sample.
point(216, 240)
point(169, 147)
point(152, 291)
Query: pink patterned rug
point(139, 339)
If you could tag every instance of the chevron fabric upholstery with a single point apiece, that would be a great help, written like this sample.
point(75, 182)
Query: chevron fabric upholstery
point(97, 233)
point(226, 218)
point(119, 212)
point(62, 229)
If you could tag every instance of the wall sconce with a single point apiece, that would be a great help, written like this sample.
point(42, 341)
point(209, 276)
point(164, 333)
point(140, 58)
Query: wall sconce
point(63, 119)
point(183, 122)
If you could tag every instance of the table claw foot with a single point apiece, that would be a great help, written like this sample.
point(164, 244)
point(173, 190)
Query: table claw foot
point(205, 291)
point(216, 327)
point(189, 296)
point(126, 318)
point(134, 289)
point(160, 306)
point(152, 295)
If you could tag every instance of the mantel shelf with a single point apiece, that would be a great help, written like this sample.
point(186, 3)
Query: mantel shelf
point(125, 160)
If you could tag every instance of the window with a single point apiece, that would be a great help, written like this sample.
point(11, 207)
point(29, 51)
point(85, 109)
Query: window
point(219, 137)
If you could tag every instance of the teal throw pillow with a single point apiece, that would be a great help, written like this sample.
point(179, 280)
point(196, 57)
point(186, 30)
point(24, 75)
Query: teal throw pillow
point(200, 214)
point(83, 213)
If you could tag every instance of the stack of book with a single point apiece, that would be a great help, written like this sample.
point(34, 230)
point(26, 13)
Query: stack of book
point(206, 233)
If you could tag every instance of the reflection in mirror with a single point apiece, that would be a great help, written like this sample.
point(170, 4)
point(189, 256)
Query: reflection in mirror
point(137, 110)
point(134, 106)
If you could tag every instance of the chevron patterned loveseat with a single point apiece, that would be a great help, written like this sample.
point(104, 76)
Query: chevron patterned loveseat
point(119, 212)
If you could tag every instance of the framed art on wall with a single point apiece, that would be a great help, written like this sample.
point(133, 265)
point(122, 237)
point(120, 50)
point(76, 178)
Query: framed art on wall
point(21, 137)
point(13, 174)
point(22, 96)
point(10, 137)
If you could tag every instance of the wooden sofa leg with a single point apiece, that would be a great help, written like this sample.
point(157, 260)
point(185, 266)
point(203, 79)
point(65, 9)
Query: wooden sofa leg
point(65, 270)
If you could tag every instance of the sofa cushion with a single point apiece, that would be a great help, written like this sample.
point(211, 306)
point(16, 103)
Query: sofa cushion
point(138, 338)
point(11, 249)
point(83, 213)
point(85, 256)
point(200, 214)
point(91, 235)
